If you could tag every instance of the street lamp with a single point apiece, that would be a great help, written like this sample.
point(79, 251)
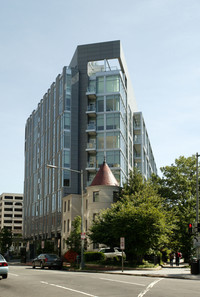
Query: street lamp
point(82, 213)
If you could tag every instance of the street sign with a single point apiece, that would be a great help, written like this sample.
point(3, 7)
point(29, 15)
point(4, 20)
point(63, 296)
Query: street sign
point(83, 236)
point(122, 243)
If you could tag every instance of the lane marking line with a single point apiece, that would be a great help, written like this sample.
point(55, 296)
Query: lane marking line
point(112, 280)
point(69, 289)
point(13, 274)
point(149, 287)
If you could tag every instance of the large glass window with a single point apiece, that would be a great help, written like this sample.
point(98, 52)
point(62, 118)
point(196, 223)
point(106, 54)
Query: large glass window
point(100, 84)
point(100, 104)
point(112, 121)
point(100, 122)
point(66, 139)
point(112, 83)
point(100, 158)
point(113, 158)
point(66, 178)
point(112, 140)
point(100, 140)
point(112, 103)
point(66, 159)
point(67, 120)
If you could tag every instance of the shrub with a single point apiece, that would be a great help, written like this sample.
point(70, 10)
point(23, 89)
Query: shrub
point(94, 256)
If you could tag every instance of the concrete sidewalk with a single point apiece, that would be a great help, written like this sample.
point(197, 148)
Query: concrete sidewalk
point(180, 272)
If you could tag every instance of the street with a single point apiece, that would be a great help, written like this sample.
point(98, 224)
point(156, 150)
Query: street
point(28, 282)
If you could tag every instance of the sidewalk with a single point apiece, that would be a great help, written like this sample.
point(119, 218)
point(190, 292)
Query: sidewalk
point(180, 272)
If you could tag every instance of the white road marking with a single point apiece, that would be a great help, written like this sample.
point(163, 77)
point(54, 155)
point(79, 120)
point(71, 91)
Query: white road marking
point(44, 283)
point(112, 280)
point(69, 289)
point(149, 287)
point(13, 274)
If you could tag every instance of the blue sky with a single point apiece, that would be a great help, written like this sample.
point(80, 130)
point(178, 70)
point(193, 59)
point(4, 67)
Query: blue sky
point(161, 43)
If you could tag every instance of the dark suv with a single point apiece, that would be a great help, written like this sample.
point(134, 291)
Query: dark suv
point(47, 260)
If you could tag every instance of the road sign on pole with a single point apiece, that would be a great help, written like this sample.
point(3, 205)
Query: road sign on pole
point(122, 243)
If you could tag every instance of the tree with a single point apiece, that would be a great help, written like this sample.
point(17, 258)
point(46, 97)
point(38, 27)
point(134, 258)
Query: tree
point(74, 239)
point(5, 240)
point(138, 216)
point(178, 188)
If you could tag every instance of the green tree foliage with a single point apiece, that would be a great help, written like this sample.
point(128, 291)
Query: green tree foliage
point(5, 240)
point(178, 188)
point(138, 216)
point(74, 239)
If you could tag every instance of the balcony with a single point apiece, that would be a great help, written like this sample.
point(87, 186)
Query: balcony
point(91, 128)
point(91, 110)
point(91, 166)
point(91, 92)
point(91, 147)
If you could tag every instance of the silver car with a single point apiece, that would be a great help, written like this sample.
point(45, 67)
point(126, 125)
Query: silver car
point(112, 252)
point(3, 267)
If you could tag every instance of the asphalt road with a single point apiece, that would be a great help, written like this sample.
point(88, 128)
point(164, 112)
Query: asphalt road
point(24, 281)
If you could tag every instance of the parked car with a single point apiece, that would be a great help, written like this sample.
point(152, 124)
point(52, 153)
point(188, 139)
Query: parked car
point(112, 252)
point(47, 260)
point(3, 267)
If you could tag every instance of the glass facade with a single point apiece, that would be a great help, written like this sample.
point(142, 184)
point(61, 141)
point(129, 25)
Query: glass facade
point(47, 141)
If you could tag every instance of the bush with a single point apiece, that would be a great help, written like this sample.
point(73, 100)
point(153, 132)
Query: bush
point(94, 256)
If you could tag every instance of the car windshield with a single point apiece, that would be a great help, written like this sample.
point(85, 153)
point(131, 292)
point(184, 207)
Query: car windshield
point(52, 256)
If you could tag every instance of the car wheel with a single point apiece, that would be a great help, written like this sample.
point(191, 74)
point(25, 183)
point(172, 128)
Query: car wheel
point(4, 275)
point(41, 265)
point(33, 265)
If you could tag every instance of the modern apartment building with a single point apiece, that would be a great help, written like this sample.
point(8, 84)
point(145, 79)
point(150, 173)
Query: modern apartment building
point(86, 115)
point(11, 216)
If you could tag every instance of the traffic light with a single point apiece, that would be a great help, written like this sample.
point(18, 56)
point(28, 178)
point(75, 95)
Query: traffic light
point(190, 228)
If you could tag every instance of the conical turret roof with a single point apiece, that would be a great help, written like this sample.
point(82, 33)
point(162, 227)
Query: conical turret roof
point(104, 177)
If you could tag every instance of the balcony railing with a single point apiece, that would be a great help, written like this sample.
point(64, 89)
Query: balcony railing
point(91, 107)
point(91, 126)
point(91, 145)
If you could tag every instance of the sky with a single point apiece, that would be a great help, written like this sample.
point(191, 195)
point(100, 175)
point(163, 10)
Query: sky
point(161, 44)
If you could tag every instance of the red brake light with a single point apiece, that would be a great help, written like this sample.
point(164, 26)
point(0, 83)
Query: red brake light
point(4, 264)
point(46, 259)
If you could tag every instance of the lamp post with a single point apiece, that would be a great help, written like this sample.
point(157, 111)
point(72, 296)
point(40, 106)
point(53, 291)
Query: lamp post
point(82, 212)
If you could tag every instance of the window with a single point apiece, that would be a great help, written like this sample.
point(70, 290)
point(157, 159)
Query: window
point(100, 140)
point(8, 197)
point(100, 84)
point(112, 83)
point(100, 122)
point(112, 140)
point(86, 204)
point(66, 180)
point(64, 226)
point(113, 158)
point(8, 203)
point(66, 139)
point(96, 196)
point(100, 104)
point(66, 158)
point(65, 206)
point(67, 120)
point(68, 225)
point(112, 121)
point(112, 103)
point(68, 205)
